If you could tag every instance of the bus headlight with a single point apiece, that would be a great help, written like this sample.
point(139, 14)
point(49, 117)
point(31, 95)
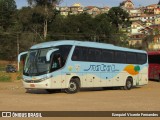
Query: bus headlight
point(36, 80)
point(45, 78)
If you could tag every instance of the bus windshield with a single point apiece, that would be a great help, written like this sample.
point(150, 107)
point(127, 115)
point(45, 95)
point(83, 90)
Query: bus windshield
point(36, 63)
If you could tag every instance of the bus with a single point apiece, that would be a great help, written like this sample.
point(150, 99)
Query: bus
point(154, 65)
point(71, 65)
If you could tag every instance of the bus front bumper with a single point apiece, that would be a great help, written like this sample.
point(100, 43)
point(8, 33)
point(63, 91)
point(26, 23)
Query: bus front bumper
point(40, 85)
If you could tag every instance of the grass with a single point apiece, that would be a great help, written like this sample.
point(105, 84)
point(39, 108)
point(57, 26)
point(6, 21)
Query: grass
point(2, 68)
point(9, 77)
point(5, 77)
point(19, 77)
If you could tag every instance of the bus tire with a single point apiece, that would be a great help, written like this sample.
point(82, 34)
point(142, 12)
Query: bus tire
point(129, 84)
point(74, 86)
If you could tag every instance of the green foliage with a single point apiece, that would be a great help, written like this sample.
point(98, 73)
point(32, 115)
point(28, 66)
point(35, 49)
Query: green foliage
point(118, 17)
point(32, 23)
point(7, 11)
point(44, 11)
point(42, 2)
point(148, 39)
point(5, 78)
point(7, 51)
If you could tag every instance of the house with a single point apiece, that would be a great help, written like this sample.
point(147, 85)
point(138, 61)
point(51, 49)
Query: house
point(157, 20)
point(148, 18)
point(76, 9)
point(155, 45)
point(155, 27)
point(150, 9)
point(104, 9)
point(135, 14)
point(136, 39)
point(64, 11)
point(92, 10)
point(136, 34)
point(136, 26)
point(157, 9)
point(127, 4)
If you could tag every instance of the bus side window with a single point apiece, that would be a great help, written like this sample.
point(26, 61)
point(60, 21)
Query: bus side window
point(120, 57)
point(57, 62)
point(84, 52)
point(76, 54)
point(131, 58)
point(91, 55)
point(141, 58)
point(107, 56)
point(98, 55)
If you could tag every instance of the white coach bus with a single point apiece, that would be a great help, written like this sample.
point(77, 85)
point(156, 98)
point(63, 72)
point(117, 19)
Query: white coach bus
point(71, 65)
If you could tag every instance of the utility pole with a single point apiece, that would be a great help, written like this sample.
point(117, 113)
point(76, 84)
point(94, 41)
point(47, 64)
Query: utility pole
point(45, 21)
point(17, 49)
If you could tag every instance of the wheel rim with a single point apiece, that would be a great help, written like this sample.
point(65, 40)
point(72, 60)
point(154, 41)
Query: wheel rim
point(72, 86)
point(129, 84)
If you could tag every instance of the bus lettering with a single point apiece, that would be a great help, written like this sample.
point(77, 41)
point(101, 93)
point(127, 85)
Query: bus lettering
point(102, 68)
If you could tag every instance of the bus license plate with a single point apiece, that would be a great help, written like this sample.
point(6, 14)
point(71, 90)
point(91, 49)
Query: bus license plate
point(32, 85)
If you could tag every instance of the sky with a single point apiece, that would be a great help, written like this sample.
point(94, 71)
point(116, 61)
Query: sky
point(99, 3)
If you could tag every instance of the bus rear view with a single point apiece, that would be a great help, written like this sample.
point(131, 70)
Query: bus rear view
point(154, 65)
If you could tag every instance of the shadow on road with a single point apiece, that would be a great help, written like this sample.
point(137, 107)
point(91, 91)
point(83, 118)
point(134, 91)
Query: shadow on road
point(43, 91)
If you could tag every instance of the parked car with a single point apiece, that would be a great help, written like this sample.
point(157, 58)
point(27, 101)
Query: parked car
point(11, 68)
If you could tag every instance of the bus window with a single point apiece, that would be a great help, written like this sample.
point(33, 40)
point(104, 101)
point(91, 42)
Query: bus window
point(91, 55)
point(154, 59)
point(120, 57)
point(131, 58)
point(84, 52)
point(97, 55)
point(64, 51)
point(107, 56)
point(76, 54)
point(57, 62)
point(141, 58)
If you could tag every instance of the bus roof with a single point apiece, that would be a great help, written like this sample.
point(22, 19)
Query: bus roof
point(83, 43)
point(153, 53)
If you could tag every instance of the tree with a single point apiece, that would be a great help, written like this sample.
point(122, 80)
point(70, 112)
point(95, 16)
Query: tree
point(7, 11)
point(103, 28)
point(118, 17)
point(146, 40)
point(44, 9)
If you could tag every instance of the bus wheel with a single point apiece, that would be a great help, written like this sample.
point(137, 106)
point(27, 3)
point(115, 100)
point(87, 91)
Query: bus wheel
point(74, 86)
point(128, 85)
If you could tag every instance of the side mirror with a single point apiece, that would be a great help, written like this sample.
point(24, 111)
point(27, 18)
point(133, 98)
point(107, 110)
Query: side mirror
point(19, 57)
point(49, 54)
